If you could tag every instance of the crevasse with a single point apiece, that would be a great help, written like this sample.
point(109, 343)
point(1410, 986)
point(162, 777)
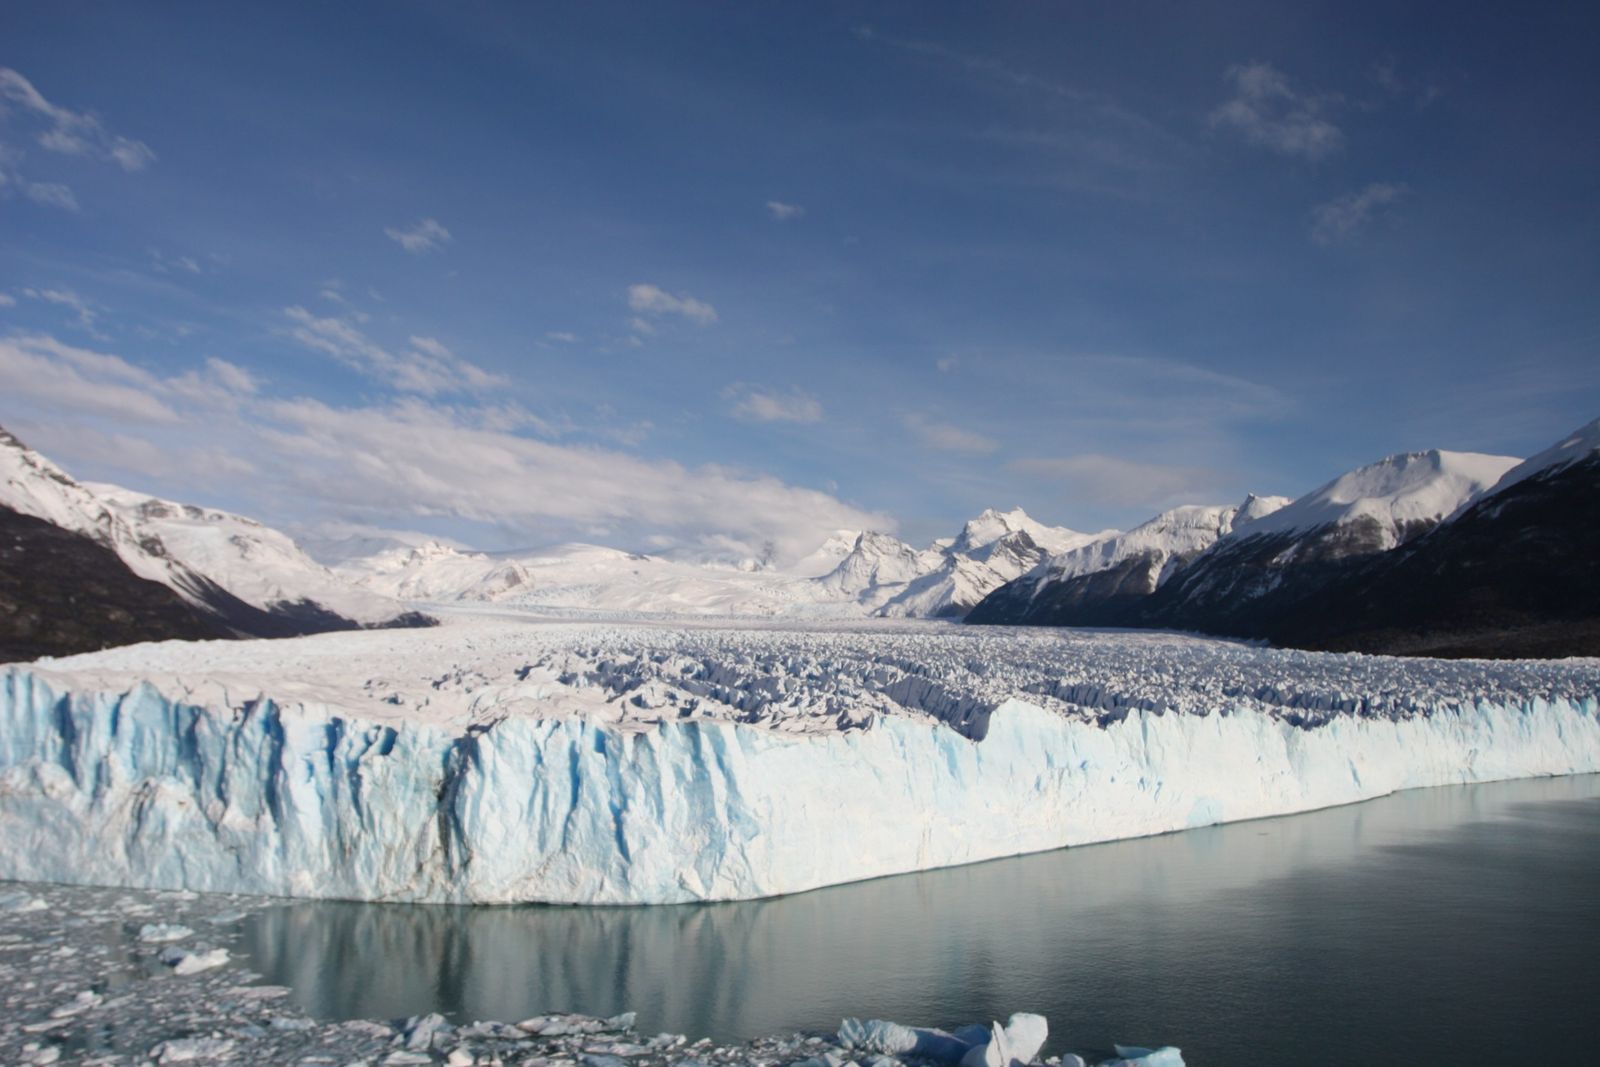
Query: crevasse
point(133, 787)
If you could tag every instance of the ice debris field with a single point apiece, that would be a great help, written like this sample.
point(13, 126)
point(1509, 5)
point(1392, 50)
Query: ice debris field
point(503, 758)
point(102, 976)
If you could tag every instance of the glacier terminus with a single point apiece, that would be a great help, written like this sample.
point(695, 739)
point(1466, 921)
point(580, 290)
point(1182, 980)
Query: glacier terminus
point(504, 758)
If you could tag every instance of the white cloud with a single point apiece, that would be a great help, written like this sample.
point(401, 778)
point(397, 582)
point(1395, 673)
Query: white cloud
point(947, 437)
point(43, 375)
point(218, 385)
point(1343, 217)
point(425, 236)
point(432, 347)
point(76, 133)
point(1267, 111)
point(947, 364)
point(782, 212)
point(86, 313)
point(645, 299)
point(390, 464)
point(7, 300)
point(1113, 481)
point(563, 336)
point(758, 403)
point(411, 458)
point(428, 368)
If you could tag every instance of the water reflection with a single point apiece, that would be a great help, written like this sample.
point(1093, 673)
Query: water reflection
point(1454, 917)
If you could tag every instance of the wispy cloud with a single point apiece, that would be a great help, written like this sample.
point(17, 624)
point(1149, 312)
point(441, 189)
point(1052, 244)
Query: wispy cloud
point(84, 312)
point(51, 194)
point(427, 368)
point(759, 403)
point(1115, 481)
point(74, 133)
point(425, 236)
point(166, 264)
point(1386, 76)
point(948, 437)
point(1267, 111)
point(646, 299)
point(782, 212)
point(7, 300)
point(1154, 391)
point(1343, 217)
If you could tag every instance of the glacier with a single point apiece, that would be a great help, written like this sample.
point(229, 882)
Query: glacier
point(635, 765)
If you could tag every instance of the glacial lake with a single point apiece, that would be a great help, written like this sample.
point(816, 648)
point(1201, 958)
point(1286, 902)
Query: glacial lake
point(1459, 924)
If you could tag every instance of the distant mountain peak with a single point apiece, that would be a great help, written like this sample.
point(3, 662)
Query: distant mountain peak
point(1398, 495)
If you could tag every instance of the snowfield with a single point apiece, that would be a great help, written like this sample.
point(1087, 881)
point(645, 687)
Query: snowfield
point(503, 758)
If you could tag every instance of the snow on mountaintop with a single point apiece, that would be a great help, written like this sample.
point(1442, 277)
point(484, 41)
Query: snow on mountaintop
point(33, 485)
point(877, 560)
point(259, 565)
point(590, 578)
point(333, 543)
point(827, 556)
point(1400, 493)
point(889, 577)
point(1181, 531)
point(992, 525)
point(849, 575)
point(817, 678)
point(1257, 507)
point(194, 551)
point(1578, 445)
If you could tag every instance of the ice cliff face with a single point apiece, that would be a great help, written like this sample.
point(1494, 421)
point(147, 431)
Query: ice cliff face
point(635, 766)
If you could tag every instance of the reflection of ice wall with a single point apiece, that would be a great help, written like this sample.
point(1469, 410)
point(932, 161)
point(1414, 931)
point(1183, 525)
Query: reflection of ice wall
point(136, 788)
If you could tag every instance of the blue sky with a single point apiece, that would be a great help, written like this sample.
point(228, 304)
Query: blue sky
point(716, 274)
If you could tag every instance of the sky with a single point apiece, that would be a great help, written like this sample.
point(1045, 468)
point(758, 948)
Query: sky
point(721, 278)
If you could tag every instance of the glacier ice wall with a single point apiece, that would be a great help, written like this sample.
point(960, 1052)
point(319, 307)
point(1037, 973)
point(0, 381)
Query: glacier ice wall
point(133, 787)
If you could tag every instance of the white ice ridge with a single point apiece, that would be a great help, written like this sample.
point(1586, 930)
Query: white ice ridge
point(498, 760)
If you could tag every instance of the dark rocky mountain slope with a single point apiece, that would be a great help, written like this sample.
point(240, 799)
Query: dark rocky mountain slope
point(62, 593)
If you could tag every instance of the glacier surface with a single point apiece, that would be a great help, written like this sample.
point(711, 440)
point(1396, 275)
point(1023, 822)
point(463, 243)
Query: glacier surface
point(499, 760)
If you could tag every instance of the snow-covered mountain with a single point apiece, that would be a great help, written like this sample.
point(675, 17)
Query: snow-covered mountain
point(1123, 567)
point(878, 561)
point(1291, 553)
point(1578, 447)
point(1514, 572)
point(1171, 538)
point(1433, 553)
point(850, 575)
point(980, 536)
point(1376, 507)
point(596, 578)
point(251, 578)
point(891, 578)
point(333, 543)
point(259, 565)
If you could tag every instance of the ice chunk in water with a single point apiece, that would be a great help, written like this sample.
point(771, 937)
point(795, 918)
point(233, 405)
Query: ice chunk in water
point(894, 1039)
point(1135, 1056)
